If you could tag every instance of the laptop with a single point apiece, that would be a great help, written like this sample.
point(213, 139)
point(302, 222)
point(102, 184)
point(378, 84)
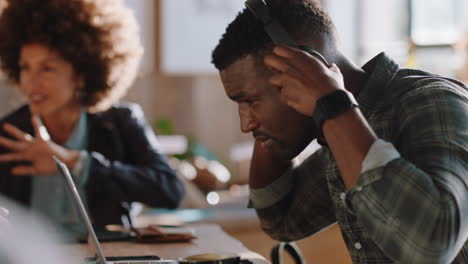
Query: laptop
point(100, 257)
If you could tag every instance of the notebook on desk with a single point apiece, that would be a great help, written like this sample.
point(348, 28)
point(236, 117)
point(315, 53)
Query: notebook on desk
point(100, 257)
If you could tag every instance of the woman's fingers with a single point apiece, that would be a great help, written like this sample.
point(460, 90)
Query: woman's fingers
point(39, 128)
point(12, 156)
point(16, 132)
point(12, 144)
point(23, 170)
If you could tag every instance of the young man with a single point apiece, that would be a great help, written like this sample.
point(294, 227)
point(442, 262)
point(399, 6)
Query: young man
point(393, 171)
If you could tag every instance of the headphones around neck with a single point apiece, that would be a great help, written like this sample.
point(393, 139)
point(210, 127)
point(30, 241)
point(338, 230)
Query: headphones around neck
point(275, 30)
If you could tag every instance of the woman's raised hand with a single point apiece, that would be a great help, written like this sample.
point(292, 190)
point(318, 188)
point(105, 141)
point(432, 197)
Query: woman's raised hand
point(37, 150)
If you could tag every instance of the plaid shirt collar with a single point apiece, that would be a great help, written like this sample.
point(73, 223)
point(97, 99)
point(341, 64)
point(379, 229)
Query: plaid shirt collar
point(382, 70)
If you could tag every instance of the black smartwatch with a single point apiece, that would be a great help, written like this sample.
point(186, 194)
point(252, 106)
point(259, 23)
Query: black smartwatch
point(330, 106)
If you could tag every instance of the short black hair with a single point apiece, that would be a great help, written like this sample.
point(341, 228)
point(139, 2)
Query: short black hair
point(246, 35)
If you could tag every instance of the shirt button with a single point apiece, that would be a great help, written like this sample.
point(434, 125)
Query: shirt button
point(343, 196)
point(357, 245)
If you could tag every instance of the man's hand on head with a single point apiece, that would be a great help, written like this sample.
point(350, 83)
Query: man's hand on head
point(302, 78)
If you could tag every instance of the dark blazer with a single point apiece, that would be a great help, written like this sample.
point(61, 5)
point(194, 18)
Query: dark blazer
point(125, 164)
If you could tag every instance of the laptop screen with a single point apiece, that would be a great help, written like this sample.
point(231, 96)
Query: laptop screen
point(100, 258)
point(64, 172)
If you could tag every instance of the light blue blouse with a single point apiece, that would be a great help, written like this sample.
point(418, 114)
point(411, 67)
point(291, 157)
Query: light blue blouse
point(50, 195)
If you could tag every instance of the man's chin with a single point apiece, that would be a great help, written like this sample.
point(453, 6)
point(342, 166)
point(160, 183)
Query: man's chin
point(284, 153)
point(288, 153)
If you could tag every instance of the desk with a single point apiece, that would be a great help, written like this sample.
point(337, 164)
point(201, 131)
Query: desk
point(210, 239)
point(243, 224)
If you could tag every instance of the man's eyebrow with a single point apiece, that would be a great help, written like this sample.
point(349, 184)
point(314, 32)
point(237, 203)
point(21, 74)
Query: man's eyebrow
point(238, 96)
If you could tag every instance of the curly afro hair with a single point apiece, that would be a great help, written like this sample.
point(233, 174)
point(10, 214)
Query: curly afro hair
point(98, 37)
point(303, 19)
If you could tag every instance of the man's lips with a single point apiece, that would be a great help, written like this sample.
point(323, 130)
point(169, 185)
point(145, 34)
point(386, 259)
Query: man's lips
point(265, 142)
point(262, 138)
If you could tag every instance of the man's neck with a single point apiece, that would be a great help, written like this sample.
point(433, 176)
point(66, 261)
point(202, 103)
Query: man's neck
point(355, 78)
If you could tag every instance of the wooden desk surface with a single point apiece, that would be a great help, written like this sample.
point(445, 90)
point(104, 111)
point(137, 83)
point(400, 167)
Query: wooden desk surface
point(210, 239)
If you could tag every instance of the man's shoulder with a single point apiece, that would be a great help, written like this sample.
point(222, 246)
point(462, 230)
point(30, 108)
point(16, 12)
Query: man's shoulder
point(418, 78)
point(411, 82)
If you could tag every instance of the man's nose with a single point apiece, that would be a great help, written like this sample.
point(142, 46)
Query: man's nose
point(248, 121)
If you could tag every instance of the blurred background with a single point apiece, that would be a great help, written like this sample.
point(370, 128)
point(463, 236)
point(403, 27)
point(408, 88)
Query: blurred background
point(198, 127)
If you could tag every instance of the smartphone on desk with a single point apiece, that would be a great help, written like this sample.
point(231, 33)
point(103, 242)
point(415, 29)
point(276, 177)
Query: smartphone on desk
point(104, 236)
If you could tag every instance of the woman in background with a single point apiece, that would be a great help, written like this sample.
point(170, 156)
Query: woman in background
point(73, 60)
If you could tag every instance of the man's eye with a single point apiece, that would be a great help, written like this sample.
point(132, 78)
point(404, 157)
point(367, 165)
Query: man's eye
point(250, 101)
point(253, 102)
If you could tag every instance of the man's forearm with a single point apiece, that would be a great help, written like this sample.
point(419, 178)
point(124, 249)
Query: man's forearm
point(349, 138)
point(265, 168)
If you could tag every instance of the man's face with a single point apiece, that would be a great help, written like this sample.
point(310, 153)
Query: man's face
point(278, 127)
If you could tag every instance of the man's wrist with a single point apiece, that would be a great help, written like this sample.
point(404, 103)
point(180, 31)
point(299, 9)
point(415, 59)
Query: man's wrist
point(353, 144)
point(331, 106)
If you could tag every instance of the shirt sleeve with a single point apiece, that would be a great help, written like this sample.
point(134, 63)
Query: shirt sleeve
point(379, 155)
point(413, 204)
point(281, 206)
point(271, 194)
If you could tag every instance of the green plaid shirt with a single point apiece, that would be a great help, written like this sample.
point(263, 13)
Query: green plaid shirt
point(413, 209)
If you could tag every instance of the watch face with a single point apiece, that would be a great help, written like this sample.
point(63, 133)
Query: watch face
point(336, 101)
point(333, 105)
